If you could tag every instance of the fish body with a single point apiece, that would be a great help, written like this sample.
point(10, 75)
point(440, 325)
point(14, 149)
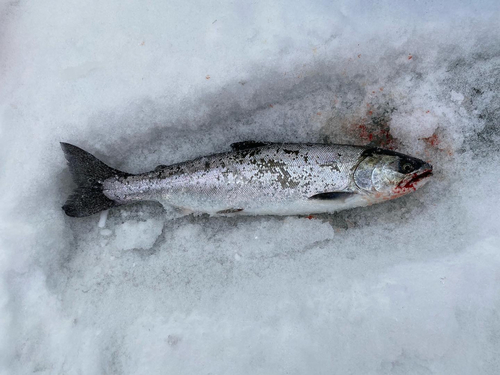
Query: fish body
point(256, 179)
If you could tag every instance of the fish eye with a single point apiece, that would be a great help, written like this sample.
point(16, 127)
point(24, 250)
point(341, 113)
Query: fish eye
point(406, 167)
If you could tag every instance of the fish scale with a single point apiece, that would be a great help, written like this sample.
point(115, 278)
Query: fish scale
point(248, 179)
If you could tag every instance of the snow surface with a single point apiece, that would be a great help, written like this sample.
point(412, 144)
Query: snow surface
point(411, 286)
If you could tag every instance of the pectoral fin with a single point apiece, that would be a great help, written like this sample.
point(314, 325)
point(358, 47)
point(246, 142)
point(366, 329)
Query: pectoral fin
point(332, 195)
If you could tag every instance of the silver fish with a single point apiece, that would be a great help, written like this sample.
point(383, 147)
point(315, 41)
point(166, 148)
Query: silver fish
point(253, 179)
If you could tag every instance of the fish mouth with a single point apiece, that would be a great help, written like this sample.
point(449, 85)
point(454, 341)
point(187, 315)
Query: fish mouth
point(416, 179)
point(421, 176)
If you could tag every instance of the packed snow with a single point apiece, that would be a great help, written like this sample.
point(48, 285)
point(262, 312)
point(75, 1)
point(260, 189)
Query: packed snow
point(411, 286)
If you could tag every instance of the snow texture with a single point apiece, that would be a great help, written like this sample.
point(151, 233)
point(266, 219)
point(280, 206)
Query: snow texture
point(411, 286)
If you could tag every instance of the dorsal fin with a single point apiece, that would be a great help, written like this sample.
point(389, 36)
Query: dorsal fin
point(246, 145)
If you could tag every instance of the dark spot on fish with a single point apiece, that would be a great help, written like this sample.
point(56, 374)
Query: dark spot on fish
point(207, 165)
point(285, 179)
point(250, 153)
point(332, 165)
point(290, 152)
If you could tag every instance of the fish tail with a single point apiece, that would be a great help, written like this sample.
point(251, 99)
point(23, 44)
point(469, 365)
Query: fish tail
point(88, 173)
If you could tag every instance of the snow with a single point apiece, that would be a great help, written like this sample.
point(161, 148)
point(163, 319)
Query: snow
point(410, 286)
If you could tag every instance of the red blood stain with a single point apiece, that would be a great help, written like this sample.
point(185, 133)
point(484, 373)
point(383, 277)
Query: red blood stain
point(359, 56)
point(319, 113)
point(373, 129)
point(427, 112)
point(381, 89)
point(371, 132)
point(207, 77)
point(407, 187)
point(364, 133)
point(410, 57)
point(404, 189)
point(433, 140)
point(310, 217)
point(270, 105)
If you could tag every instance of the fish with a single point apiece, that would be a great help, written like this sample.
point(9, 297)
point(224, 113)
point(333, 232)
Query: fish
point(254, 178)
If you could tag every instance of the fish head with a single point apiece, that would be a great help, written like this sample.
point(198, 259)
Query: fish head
point(387, 174)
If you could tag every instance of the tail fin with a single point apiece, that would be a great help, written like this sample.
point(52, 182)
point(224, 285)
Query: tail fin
point(88, 173)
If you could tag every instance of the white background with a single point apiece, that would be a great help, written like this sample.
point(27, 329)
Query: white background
point(410, 286)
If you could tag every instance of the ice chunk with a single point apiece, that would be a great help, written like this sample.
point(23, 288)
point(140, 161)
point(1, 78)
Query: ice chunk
point(422, 124)
point(135, 234)
point(106, 232)
point(102, 219)
point(456, 97)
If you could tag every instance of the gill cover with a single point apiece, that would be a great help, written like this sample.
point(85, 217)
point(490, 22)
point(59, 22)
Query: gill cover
point(381, 170)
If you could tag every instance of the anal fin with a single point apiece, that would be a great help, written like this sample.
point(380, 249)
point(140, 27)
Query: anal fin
point(230, 211)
